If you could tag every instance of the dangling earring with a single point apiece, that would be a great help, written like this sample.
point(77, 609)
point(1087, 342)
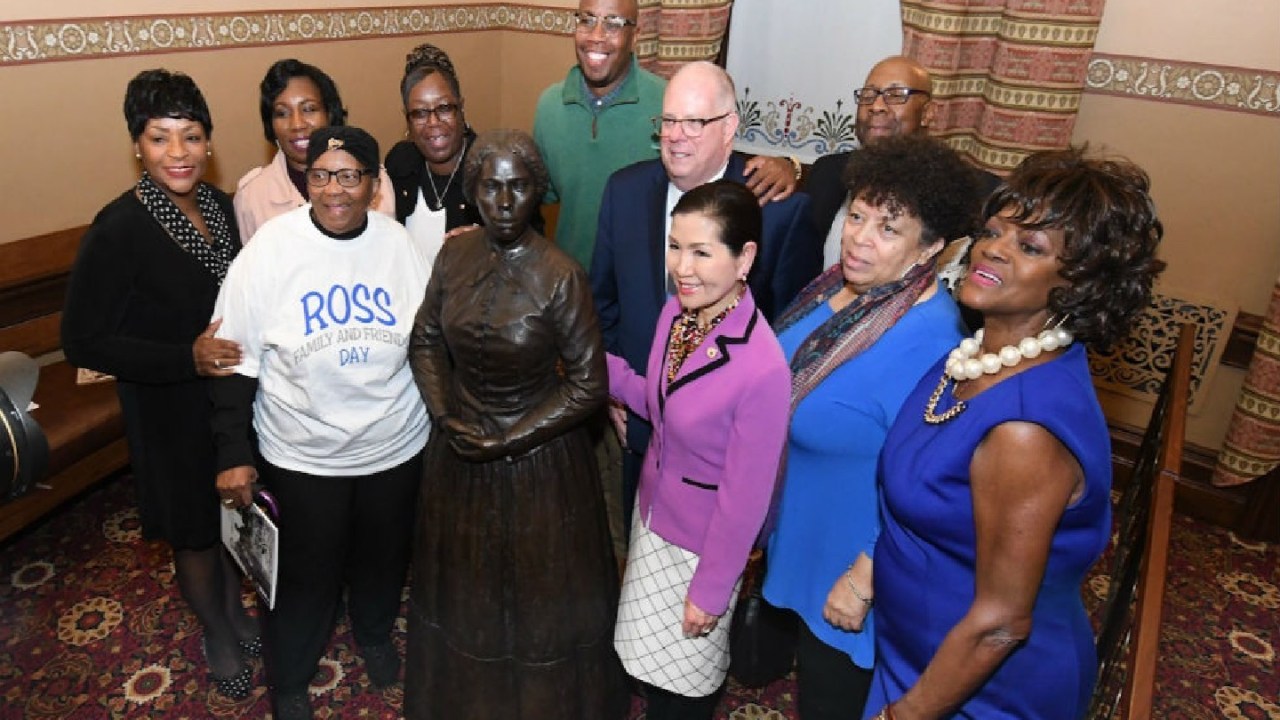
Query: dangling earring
point(1054, 322)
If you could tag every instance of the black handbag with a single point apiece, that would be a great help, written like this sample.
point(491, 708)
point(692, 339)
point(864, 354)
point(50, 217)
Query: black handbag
point(762, 638)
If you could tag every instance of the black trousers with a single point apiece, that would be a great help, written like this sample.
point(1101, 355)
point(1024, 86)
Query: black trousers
point(632, 462)
point(665, 705)
point(353, 529)
point(828, 685)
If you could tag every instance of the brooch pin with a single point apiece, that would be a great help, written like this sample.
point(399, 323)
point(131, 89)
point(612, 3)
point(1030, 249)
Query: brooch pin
point(712, 353)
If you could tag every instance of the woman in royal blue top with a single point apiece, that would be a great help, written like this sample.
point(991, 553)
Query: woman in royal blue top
point(996, 477)
point(858, 339)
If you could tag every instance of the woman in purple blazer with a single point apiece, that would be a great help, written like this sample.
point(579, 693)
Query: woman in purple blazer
point(716, 392)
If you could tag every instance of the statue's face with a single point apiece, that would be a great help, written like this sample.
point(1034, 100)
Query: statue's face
point(505, 196)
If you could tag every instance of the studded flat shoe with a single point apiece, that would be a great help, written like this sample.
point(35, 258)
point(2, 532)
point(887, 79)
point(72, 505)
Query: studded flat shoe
point(235, 687)
point(252, 647)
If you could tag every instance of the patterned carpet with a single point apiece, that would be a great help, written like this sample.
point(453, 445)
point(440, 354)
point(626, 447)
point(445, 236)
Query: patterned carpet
point(91, 626)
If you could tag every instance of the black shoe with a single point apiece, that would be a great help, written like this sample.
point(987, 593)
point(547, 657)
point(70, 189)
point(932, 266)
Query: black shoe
point(382, 663)
point(251, 648)
point(236, 686)
point(292, 706)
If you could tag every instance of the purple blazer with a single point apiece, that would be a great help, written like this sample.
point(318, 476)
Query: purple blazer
point(718, 433)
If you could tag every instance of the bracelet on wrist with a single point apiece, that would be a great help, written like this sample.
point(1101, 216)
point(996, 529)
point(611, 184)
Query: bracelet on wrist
point(886, 713)
point(796, 165)
point(848, 578)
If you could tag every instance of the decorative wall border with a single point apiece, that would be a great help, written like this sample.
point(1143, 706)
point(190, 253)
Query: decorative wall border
point(1215, 87)
point(38, 41)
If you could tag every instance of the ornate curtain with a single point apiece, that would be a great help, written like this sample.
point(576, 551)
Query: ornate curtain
point(674, 32)
point(795, 76)
point(1007, 73)
point(1252, 446)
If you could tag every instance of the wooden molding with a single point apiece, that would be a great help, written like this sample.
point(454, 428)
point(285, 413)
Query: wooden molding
point(1242, 341)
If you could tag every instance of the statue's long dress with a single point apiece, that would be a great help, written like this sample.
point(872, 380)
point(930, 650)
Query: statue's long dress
point(514, 585)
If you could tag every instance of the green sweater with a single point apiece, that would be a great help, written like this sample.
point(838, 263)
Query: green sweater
point(582, 150)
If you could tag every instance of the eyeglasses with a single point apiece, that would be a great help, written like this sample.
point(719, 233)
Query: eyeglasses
point(691, 127)
point(892, 95)
point(613, 24)
point(347, 177)
point(444, 112)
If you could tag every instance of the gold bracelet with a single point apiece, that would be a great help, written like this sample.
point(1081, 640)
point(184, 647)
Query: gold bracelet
point(848, 578)
point(795, 163)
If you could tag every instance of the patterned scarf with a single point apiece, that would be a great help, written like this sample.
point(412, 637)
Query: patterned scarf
point(216, 256)
point(855, 328)
point(687, 335)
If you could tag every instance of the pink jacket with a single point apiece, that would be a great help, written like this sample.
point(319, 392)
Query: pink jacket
point(718, 433)
point(265, 192)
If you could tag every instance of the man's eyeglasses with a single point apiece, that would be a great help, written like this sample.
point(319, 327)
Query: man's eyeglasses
point(444, 112)
point(691, 127)
point(892, 95)
point(347, 177)
point(613, 24)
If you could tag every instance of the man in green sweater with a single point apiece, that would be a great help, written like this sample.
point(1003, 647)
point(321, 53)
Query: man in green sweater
point(599, 120)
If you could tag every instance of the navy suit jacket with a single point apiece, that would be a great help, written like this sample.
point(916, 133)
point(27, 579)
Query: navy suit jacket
point(628, 267)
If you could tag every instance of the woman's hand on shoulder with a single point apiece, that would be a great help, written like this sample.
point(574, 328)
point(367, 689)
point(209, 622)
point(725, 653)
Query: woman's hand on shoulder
point(214, 356)
point(461, 229)
point(850, 598)
point(697, 622)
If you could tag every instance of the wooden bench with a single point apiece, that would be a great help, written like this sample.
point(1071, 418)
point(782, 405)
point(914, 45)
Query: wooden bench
point(1129, 635)
point(82, 423)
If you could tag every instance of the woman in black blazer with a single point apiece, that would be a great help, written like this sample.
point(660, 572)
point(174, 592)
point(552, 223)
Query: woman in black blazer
point(141, 293)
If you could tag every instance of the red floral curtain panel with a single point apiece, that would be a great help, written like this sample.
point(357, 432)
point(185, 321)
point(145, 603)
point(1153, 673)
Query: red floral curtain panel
point(675, 32)
point(1252, 446)
point(1007, 73)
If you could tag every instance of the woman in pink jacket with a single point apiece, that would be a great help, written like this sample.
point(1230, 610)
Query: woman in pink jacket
point(716, 390)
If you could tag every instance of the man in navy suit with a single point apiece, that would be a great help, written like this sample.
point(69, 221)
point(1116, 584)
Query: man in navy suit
point(628, 269)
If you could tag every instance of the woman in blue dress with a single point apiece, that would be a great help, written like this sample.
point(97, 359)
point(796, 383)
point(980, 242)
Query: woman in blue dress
point(858, 340)
point(996, 476)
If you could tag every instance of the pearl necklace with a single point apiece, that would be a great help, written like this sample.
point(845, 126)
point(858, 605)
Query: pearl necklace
point(963, 365)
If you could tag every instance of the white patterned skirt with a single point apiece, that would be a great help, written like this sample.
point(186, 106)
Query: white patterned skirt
point(648, 637)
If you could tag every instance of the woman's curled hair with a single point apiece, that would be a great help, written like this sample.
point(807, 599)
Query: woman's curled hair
point(920, 176)
point(425, 60)
point(1104, 208)
point(163, 93)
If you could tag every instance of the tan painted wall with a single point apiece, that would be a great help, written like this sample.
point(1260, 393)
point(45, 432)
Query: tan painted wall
point(1215, 172)
point(63, 127)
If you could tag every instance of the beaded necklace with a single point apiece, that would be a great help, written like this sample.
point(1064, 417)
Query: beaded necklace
point(967, 362)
